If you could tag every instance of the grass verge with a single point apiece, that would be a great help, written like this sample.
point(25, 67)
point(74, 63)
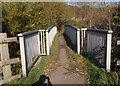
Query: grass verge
point(99, 75)
point(40, 67)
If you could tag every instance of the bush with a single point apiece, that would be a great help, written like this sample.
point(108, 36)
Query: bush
point(99, 75)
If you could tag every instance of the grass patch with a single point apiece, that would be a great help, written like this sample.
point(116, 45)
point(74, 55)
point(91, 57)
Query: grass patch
point(94, 74)
point(77, 60)
point(38, 70)
point(99, 75)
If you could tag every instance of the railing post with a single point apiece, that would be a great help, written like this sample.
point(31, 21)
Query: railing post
point(78, 41)
point(47, 42)
point(23, 57)
point(39, 42)
point(108, 49)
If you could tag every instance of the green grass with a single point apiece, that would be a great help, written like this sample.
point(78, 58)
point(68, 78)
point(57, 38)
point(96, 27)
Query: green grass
point(99, 75)
point(77, 60)
point(38, 70)
point(96, 75)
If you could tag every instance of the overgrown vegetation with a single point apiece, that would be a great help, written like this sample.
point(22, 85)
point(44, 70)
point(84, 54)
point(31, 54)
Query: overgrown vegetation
point(99, 75)
point(116, 34)
point(21, 17)
point(39, 68)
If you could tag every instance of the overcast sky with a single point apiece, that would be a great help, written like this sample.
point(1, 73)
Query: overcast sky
point(91, 0)
point(60, 0)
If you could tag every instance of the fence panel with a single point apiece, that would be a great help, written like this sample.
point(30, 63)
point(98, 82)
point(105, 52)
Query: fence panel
point(83, 37)
point(73, 34)
point(30, 49)
point(46, 39)
point(50, 35)
point(99, 46)
point(97, 43)
point(42, 42)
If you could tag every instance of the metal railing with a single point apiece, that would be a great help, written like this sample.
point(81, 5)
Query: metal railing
point(94, 40)
point(33, 44)
point(29, 49)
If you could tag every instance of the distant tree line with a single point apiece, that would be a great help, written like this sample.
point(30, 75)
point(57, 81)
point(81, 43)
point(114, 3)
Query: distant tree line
point(20, 17)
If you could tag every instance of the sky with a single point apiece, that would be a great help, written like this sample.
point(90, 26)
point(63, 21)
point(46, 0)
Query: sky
point(60, 0)
point(91, 0)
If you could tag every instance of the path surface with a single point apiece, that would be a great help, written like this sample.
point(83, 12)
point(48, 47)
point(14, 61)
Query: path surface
point(61, 74)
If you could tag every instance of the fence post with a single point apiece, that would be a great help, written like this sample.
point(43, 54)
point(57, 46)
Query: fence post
point(23, 59)
point(78, 41)
point(47, 42)
point(108, 49)
point(39, 42)
point(5, 56)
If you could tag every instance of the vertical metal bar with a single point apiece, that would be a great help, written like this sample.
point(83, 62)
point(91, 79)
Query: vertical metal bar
point(44, 42)
point(82, 38)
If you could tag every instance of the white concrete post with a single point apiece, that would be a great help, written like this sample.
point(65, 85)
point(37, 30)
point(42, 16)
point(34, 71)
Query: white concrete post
point(78, 41)
point(39, 42)
point(108, 54)
point(47, 42)
point(23, 57)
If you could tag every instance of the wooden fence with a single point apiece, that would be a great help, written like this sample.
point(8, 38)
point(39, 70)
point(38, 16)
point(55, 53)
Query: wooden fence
point(5, 61)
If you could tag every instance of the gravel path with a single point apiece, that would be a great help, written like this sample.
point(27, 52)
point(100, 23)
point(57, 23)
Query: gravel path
point(62, 75)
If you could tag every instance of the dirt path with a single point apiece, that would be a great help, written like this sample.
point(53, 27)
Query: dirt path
point(62, 74)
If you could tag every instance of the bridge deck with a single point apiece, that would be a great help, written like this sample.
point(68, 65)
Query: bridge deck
point(65, 73)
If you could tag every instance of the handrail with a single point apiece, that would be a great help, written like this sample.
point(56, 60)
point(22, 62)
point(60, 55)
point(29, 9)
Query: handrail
point(100, 30)
point(27, 33)
point(48, 29)
point(76, 28)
